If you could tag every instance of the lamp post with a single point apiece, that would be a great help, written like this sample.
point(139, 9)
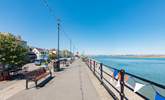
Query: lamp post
point(58, 52)
point(71, 48)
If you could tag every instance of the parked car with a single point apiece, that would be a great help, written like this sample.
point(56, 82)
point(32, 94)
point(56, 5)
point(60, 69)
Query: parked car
point(37, 62)
point(41, 61)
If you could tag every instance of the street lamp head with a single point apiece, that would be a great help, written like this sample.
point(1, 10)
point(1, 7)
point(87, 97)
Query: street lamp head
point(58, 20)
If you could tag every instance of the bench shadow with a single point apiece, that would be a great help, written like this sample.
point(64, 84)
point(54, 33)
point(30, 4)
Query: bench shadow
point(44, 82)
point(61, 69)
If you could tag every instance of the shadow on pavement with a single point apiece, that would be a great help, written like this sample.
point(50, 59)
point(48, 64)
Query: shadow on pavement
point(43, 83)
point(60, 70)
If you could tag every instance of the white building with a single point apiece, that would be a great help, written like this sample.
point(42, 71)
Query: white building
point(41, 53)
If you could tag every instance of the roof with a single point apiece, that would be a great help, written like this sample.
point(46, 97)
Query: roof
point(40, 49)
point(52, 49)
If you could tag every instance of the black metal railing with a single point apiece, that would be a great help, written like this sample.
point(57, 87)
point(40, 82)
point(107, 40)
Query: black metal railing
point(99, 74)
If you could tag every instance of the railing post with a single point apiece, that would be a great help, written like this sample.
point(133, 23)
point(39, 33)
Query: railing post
point(101, 72)
point(94, 66)
point(90, 64)
point(122, 72)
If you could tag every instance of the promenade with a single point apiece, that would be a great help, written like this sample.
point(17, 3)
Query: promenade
point(75, 82)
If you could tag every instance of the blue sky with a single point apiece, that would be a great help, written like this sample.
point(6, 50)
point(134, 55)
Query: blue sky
point(95, 26)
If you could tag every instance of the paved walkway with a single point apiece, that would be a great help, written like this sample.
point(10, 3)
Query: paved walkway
point(5, 84)
point(73, 83)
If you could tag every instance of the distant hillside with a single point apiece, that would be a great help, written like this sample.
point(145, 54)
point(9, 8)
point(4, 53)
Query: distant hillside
point(146, 56)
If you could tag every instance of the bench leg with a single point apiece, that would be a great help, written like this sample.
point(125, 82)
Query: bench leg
point(50, 74)
point(36, 83)
point(26, 84)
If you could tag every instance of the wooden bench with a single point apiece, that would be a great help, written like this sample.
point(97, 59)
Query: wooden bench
point(36, 75)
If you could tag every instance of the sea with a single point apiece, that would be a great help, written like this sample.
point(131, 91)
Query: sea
point(152, 69)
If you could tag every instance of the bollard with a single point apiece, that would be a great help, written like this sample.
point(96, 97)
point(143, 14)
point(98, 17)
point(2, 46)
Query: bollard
point(122, 72)
point(101, 72)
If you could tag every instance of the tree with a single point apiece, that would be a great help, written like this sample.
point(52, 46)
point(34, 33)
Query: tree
point(12, 53)
point(52, 56)
point(65, 53)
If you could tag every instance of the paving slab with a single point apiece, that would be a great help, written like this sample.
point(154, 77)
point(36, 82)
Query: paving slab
point(4, 84)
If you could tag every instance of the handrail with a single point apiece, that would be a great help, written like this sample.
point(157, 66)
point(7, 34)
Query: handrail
point(143, 79)
point(131, 75)
point(148, 81)
point(127, 86)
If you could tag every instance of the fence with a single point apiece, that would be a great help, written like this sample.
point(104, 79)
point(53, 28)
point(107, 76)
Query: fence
point(125, 91)
point(4, 75)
